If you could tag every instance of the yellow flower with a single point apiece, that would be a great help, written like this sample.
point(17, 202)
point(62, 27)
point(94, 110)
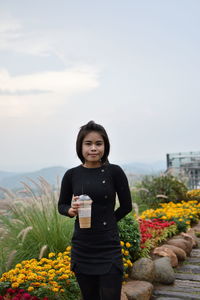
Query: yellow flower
point(129, 262)
point(128, 245)
point(30, 289)
point(64, 276)
point(51, 254)
point(15, 285)
point(36, 283)
point(122, 243)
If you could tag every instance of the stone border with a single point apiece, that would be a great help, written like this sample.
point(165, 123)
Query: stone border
point(159, 268)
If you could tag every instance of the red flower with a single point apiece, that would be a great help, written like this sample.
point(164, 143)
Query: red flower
point(11, 291)
point(26, 296)
point(152, 228)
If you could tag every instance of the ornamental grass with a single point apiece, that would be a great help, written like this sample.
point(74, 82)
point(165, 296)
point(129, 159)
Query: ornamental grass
point(31, 227)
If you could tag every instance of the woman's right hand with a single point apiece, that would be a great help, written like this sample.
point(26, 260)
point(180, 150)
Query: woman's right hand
point(75, 204)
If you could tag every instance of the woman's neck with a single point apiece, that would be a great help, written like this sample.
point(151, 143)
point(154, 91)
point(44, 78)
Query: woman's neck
point(92, 165)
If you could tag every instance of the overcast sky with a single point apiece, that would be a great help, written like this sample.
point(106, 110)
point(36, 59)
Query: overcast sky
point(132, 66)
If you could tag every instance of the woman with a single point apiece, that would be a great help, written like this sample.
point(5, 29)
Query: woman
point(96, 257)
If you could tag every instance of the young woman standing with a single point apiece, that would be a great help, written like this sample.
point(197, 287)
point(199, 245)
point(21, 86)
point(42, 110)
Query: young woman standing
point(96, 257)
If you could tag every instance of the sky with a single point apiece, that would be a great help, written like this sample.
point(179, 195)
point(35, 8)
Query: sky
point(131, 66)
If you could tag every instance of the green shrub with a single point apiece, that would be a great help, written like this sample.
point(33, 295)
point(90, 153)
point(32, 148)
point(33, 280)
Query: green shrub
point(129, 233)
point(165, 188)
point(136, 195)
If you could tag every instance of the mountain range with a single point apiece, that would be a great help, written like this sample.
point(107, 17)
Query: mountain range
point(13, 180)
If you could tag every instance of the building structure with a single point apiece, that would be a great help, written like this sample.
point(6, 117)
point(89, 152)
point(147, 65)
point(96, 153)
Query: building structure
point(185, 164)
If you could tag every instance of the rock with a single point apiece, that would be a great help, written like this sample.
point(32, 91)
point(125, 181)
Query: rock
point(181, 243)
point(190, 234)
point(138, 290)
point(164, 251)
point(196, 227)
point(123, 296)
point(180, 253)
point(143, 269)
point(164, 272)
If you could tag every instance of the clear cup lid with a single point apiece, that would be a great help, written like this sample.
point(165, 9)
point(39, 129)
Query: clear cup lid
point(84, 197)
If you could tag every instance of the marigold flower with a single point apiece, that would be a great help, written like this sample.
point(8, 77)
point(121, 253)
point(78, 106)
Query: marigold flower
point(15, 285)
point(51, 254)
point(128, 245)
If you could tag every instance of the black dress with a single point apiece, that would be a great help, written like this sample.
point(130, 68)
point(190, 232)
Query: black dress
point(95, 250)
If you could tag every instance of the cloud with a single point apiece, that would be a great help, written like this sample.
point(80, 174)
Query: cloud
point(10, 31)
point(9, 26)
point(15, 37)
point(43, 92)
point(69, 81)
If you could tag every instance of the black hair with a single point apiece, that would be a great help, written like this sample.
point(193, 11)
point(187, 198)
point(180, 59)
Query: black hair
point(84, 130)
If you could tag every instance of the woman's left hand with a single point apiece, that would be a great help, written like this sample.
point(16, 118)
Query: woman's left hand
point(75, 204)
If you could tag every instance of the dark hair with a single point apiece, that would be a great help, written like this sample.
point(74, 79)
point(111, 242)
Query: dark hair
point(84, 130)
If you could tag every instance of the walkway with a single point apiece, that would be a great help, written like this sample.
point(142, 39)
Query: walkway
point(187, 283)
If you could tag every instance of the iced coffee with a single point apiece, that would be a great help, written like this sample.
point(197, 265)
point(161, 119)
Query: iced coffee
point(84, 211)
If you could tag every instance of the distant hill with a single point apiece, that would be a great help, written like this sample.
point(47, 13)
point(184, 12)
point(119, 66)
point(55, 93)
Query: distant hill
point(144, 169)
point(13, 180)
point(4, 174)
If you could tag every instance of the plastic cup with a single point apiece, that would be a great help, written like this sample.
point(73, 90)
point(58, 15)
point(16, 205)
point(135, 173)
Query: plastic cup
point(84, 211)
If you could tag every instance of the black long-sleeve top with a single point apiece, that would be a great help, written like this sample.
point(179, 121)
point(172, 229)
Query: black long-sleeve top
point(95, 250)
point(101, 184)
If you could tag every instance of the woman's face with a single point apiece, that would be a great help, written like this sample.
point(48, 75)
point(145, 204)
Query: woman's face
point(93, 149)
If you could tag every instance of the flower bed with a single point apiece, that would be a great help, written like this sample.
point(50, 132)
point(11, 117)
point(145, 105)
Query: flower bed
point(153, 232)
point(51, 278)
point(19, 294)
point(183, 213)
point(48, 277)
